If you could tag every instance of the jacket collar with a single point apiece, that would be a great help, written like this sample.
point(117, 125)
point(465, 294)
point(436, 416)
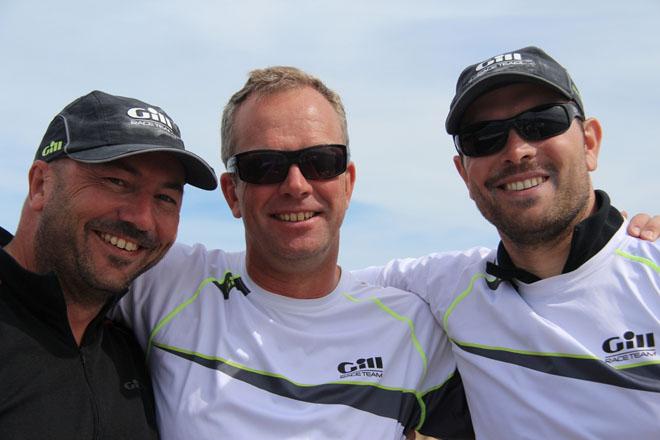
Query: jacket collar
point(42, 296)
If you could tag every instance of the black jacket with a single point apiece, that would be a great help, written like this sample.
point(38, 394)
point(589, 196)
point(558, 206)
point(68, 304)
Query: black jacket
point(52, 389)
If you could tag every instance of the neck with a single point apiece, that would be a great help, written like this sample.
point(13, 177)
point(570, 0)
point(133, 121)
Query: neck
point(79, 315)
point(79, 318)
point(23, 254)
point(300, 280)
point(546, 259)
point(543, 260)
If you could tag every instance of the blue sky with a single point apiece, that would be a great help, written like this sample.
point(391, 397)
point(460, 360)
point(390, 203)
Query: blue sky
point(394, 63)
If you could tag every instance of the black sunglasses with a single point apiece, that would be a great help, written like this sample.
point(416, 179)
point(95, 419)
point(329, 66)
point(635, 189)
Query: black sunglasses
point(542, 122)
point(272, 166)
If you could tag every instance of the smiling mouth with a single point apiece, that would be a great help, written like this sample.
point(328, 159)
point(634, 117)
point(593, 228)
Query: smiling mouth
point(295, 216)
point(120, 243)
point(524, 184)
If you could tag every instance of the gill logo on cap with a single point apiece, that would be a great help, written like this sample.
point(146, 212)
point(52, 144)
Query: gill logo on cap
point(499, 59)
point(51, 148)
point(149, 113)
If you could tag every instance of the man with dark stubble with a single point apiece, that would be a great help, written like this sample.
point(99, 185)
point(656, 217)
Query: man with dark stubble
point(105, 193)
point(554, 333)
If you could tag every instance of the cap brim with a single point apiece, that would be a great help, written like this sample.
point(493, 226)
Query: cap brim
point(487, 84)
point(198, 172)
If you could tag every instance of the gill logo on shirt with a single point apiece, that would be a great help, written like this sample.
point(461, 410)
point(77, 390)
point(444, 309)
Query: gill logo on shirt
point(370, 367)
point(51, 148)
point(133, 384)
point(629, 346)
point(149, 113)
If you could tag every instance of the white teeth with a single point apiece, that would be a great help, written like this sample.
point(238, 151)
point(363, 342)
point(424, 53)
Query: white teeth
point(295, 217)
point(120, 242)
point(524, 184)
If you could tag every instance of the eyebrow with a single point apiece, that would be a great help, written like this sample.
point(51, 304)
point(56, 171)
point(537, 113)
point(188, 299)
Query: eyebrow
point(176, 186)
point(173, 185)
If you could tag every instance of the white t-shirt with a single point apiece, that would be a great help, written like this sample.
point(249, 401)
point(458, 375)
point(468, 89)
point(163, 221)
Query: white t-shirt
point(569, 357)
point(230, 360)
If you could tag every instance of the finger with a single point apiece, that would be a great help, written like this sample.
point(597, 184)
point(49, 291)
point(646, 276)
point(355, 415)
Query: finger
point(637, 223)
point(651, 230)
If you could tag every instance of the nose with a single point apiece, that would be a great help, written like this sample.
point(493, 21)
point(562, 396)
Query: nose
point(517, 149)
point(139, 211)
point(295, 183)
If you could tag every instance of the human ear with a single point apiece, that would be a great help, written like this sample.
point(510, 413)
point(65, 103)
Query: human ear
point(349, 180)
point(228, 183)
point(460, 167)
point(38, 182)
point(593, 133)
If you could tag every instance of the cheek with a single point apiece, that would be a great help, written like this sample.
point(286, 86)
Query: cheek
point(333, 193)
point(242, 201)
point(475, 172)
point(253, 199)
point(168, 227)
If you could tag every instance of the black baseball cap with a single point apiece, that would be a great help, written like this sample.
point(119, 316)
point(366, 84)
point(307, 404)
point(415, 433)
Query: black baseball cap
point(529, 64)
point(100, 127)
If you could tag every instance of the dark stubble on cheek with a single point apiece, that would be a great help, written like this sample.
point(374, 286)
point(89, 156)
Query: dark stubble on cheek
point(57, 251)
point(566, 211)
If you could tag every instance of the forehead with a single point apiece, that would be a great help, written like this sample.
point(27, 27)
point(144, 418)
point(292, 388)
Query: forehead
point(287, 120)
point(508, 101)
point(156, 166)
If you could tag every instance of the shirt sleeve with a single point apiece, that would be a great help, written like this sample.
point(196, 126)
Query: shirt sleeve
point(432, 277)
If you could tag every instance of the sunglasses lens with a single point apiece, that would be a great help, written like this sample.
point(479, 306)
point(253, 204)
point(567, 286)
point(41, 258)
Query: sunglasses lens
point(263, 167)
point(323, 162)
point(535, 125)
point(270, 166)
point(483, 138)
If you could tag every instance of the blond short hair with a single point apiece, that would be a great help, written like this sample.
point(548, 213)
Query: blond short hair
point(268, 81)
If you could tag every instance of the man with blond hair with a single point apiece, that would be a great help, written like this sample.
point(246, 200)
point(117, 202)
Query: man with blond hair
point(277, 341)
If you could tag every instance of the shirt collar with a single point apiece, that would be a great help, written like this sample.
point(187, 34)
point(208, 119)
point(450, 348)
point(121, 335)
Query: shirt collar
point(589, 237)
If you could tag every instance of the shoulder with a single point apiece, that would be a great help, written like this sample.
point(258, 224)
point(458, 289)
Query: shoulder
point(623, 242)
point(434, 277)
point(183, 259)
point(451, 261)
point(180, 253)
point(637, 252)
point(437, 270)
point(182, 269)
point(391, 300)
point(171, 282)
point(435, 264)
point(123, 340)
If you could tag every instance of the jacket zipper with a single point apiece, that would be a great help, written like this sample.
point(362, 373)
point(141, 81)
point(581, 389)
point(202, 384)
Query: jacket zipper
point(92, 397)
